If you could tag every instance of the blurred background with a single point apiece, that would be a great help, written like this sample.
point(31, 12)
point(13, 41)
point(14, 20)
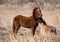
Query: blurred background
point(43, 3)
point(10, 8)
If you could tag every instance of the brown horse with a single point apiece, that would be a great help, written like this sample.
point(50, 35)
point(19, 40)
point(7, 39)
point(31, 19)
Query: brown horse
point(28, 22)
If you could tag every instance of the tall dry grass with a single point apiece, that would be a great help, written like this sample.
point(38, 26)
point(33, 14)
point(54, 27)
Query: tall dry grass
point(51, 14)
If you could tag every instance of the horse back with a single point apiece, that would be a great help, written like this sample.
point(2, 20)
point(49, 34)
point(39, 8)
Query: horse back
point(23, 21)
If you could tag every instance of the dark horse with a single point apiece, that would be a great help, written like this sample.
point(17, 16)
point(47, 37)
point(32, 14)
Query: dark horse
point(28, 22)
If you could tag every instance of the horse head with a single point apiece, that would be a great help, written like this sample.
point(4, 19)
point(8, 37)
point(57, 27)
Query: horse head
point(37, 12)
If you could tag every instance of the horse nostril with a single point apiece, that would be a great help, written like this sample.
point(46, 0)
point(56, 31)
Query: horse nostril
point(40, 15)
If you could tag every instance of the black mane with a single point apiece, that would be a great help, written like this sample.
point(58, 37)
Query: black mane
point(40, 20)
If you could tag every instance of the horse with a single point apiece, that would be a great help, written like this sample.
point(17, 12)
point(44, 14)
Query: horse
point(27, 22)
point(46, 29)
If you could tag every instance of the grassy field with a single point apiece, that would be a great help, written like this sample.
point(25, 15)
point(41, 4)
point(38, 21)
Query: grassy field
point(8, 12)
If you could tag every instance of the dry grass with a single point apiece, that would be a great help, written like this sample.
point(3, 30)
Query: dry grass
point(24, 38)
point(7, 13)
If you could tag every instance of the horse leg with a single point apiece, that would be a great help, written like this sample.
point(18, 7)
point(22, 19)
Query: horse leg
point(15, 28)
point(33, 30)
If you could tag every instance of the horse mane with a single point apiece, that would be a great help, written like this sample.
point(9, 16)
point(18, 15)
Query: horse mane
point(40, 20)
